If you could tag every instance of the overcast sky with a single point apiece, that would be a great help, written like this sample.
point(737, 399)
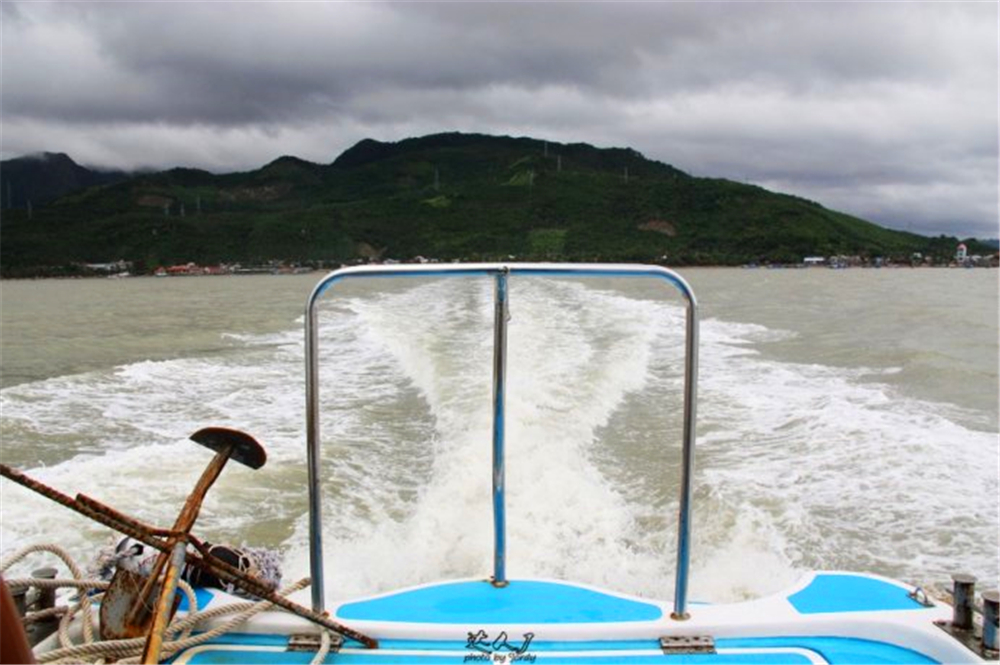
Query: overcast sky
point(886, 110)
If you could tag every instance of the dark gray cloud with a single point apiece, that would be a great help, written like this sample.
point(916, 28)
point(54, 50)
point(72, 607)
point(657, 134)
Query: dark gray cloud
point(885, 110)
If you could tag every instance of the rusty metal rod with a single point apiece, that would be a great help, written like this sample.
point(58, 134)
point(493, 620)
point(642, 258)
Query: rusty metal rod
point(164, 604)
point(122, 527)
point(133, 528)
point(111, 518)
point(32, 484)
point(224, 571)
point(252, 585)
point(96, 505)
point(182, 525)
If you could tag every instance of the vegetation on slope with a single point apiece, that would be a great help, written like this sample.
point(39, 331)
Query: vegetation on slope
point(445, 196)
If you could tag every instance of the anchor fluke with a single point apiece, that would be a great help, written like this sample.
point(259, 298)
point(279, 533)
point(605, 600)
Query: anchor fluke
point(245, 449)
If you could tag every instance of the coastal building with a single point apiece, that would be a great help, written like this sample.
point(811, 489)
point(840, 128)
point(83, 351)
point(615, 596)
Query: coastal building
point(961, 253)
point(113, 267)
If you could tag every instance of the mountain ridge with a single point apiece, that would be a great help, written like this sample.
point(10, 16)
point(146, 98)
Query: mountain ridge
point(39, 178)
point(449, 196)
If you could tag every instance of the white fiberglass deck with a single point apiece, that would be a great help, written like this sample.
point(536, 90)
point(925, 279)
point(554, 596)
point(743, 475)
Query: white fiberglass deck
point(828, 618)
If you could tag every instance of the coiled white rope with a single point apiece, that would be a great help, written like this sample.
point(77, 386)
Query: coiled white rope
point(178, 635)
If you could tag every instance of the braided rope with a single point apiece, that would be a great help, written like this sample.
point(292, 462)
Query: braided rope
point(84, 606)
point(192, 599)
point(324, 648)
point(26, 582)
point(130, 650)
point(48, 613)
point(53, 549)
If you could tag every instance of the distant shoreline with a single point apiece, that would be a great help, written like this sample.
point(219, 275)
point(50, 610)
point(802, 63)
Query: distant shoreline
point(308, 271)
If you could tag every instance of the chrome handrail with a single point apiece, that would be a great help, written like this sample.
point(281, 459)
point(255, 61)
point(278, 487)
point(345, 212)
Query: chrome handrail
point(500, 318)
point(500, 273)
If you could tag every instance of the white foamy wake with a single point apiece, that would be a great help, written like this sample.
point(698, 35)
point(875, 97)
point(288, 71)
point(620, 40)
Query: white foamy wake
point(849, 474)
point(798, 466)
point(120, 436)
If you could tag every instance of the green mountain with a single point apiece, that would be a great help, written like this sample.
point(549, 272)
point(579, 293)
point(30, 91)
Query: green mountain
point(445, 196)
point(38, 179)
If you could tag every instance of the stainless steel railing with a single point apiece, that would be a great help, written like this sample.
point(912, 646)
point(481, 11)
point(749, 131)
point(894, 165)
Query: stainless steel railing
point(500, 274)
point(500, 318)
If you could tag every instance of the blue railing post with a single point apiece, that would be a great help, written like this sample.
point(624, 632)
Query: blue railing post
point(499, 399)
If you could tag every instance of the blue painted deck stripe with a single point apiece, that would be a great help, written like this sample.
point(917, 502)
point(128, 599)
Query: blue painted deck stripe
point(838, 650)
point(522, 602)
point(829, 593)
point(298, 658)
point(716, 659)
point(202, 595)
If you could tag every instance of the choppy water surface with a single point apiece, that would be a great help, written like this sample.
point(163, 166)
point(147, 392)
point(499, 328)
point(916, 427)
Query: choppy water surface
point(847, 420)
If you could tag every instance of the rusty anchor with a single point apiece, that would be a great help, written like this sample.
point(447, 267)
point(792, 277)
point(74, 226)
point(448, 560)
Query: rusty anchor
point(139, 620)
point(138, 605)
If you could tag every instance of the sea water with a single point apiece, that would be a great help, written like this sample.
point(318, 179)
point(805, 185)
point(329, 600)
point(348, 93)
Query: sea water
point(846, 420)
